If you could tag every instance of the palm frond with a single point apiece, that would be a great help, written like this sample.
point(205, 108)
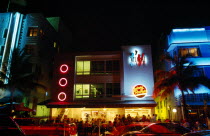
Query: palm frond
point(181, 75)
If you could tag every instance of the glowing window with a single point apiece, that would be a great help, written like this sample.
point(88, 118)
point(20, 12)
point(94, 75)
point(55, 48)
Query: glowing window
point(190, 52)
point(83, 68)
point(54, 44)
point(32, 31)
point(82, 90)
point(97, 90)
point(97, 67)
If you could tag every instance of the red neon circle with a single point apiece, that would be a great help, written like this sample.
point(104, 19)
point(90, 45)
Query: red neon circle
point(64, 68)
point(63, 82)
point(62, 96)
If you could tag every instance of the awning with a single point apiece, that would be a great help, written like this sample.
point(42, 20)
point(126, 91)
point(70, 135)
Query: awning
point(101, 104)
point(44, 102)
point(19, 107)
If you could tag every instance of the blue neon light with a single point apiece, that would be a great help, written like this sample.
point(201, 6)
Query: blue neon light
point(193, 35)
point(188, 30)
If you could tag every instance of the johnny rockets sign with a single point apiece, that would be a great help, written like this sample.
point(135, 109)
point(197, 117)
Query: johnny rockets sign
point(139, 91)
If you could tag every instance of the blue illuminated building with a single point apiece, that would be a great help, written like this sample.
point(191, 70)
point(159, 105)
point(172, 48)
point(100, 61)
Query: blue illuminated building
point(34, 34)
point(195, 43)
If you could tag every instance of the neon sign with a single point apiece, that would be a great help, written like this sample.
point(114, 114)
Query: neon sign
point(63, 82)
point(137, 59)
point(62, 96)
point(64, 68)
point(188, 30)
point(139, 91)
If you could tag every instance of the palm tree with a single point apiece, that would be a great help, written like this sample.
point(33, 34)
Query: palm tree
point(181, 75)
point(19, 77)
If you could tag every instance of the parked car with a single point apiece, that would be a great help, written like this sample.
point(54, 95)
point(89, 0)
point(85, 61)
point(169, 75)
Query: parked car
point(198, 133)
point(159, 129)
point(8, 127)
point(135, 126)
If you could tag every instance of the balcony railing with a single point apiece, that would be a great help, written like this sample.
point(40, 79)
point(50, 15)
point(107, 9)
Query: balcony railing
point(201, 97)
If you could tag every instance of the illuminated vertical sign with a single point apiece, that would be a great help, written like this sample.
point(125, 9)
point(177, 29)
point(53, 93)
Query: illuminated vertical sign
point(62, 82)
point(137, 58)
point(138, 78)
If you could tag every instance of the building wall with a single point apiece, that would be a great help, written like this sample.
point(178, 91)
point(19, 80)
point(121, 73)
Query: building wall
point(137, 70)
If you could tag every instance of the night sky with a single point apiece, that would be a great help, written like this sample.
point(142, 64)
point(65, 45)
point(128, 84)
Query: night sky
point(107, 25)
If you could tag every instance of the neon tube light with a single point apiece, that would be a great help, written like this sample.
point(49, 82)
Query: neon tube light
point(189, 30)
point(64, 68)
point(62, 96)
point(63, 82)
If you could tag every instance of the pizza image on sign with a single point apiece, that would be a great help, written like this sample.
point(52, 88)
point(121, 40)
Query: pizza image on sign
point(139, 91)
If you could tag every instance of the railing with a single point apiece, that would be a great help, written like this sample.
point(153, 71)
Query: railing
point(196, 97)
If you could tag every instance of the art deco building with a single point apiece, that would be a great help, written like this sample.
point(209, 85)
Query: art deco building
point(102, 85)
point(194, 43)
point(37, 37)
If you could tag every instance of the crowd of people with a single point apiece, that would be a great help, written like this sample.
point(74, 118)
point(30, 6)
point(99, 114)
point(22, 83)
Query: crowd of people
point(193, 125)
point(88, 127)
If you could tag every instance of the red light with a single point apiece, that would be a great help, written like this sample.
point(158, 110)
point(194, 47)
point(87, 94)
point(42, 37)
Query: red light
point(62, 96)
point(63, 82)
point(64, 68)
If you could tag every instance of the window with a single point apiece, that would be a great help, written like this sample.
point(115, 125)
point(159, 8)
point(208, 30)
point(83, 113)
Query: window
point(82, 91)
point(89, 90)
point(189, 52)
point(83, 68)
point(97, 67)
point(112, 89)
point(33, 31)
point(112, 66)
point(98, 90)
